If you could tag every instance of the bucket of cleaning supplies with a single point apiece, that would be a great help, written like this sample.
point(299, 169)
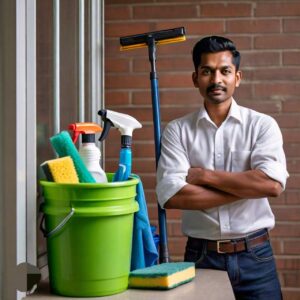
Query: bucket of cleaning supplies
point(89, 234)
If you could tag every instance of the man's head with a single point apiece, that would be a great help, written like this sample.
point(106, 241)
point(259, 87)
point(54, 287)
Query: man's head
point(217, 72)
point(213, 44)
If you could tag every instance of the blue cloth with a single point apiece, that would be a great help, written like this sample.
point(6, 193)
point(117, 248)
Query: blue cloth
point(144, 252)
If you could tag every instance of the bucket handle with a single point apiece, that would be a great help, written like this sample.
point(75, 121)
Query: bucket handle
point(58, 227)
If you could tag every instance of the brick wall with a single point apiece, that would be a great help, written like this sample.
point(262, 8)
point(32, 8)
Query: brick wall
point(268, 35)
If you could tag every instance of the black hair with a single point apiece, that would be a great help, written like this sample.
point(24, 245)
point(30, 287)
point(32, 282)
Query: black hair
point(212, 44)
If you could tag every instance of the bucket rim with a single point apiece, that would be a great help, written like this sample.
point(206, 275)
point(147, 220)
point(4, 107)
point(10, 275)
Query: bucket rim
point(133, 180)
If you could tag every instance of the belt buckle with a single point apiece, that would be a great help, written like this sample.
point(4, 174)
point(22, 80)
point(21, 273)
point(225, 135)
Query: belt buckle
point(219, 243)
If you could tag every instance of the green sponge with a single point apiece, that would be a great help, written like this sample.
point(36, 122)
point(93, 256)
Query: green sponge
point(164, 276)
point(63, 145)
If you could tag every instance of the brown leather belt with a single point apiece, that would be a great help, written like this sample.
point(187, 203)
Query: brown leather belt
point(232, 246)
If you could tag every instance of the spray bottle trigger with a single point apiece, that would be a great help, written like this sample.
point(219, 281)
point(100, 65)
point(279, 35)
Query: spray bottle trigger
point(107, 125)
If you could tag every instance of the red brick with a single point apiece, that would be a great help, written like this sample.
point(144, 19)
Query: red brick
point(171, 63)
point(176, 80)
point(117, 65)
point(174, 228)
point(285, 263)
point(170, 113)
point(197, 28)
point(124, 29)
point(126, 81)
point(286, 41)
point(242, 42)
point(278, 73)
point(177, 246)
point(277, 246)
point(141, 165)
point(291, 106)
point(289, 120)
point(244, 92)
point(143, 150)
point(291, 25)
point(277, 9)
point(144, 134)
point(287, 213)
point(284, 229)
point(291, 279)
point(280, 200)
point(293, 165)
point(274, 90)
point(291, 294)
point(292, 197)
point(291, 57)
point(226, 10)
point(116, 98)
point(117, 12)
point(258, 59)
point(291, 136)
point(169, 97)
point(294, 181)
point(267, 107)
point(292, 151)
point(292, 247)
point(253, 26)
point(164, 12)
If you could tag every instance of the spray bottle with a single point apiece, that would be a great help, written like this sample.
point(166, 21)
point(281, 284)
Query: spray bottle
point(125, 124)
point(88, 151)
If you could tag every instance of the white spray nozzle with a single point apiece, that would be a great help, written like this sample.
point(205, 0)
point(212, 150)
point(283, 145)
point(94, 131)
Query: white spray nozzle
point(124, 123)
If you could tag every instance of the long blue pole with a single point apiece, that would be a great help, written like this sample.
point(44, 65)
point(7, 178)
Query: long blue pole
point(163, 241)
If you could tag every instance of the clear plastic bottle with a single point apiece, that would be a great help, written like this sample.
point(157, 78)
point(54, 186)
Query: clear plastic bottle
point(91, 155)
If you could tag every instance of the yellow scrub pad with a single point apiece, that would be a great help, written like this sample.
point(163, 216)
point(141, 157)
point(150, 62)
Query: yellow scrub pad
point(60, 170)
point(164, 276)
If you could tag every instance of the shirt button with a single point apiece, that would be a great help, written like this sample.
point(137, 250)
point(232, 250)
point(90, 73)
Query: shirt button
point(219, 155)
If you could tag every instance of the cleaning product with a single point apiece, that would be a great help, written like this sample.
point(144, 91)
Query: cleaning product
point(126, 124)
point(164, 276)
point(150, 40)
point(60, 170)
point(88, 151)
point(63, 145)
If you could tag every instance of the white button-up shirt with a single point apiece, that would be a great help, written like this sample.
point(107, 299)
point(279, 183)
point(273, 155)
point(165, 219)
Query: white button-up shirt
point(246, 140)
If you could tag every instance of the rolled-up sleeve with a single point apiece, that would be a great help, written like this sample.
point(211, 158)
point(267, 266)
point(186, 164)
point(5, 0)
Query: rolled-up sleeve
point(268, 155)
point(173, 164)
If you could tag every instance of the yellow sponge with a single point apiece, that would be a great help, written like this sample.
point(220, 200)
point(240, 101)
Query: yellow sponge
point(163, 276)
point(60, 170)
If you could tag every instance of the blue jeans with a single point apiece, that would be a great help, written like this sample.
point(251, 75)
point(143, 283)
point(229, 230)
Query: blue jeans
point(252, 273)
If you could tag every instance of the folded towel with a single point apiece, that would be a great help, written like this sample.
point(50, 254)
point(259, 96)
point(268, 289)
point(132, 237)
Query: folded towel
point(144, 252)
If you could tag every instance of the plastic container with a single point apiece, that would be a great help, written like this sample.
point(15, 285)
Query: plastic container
point(89, 235)
point(91, 156)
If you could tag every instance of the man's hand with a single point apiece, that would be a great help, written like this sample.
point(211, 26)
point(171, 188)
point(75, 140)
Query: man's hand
point(248, 184)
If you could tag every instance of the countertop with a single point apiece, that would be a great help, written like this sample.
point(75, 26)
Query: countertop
point(208, 284)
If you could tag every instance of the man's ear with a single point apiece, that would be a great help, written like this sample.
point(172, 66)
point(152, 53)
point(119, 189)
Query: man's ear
point(195, 81)
point(238, 78)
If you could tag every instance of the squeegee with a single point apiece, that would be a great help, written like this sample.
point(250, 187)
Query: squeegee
point(151, 40)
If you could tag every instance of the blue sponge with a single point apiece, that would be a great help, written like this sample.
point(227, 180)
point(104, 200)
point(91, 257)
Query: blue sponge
point(63, 145)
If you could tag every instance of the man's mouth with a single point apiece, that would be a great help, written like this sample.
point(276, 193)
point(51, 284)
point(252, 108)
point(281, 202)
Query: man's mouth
point(216, 88)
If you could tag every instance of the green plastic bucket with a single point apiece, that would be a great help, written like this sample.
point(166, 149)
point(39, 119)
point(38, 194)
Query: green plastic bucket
point(89, 234)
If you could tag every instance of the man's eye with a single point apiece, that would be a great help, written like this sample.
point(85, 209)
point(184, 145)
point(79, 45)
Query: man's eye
point(226, 71)
point(205, 72)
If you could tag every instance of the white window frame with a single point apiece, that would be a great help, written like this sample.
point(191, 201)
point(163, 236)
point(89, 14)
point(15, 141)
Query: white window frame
point(18, 146)
point(18, 211)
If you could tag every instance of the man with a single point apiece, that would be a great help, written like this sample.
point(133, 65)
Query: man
point(219, 165)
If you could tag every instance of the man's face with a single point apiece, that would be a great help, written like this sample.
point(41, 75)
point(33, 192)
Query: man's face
point(216, 77)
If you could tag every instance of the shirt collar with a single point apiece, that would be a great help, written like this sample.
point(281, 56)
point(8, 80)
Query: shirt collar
point(234, 112)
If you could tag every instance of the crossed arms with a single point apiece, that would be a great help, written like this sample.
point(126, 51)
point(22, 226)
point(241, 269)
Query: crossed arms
point(207, 188)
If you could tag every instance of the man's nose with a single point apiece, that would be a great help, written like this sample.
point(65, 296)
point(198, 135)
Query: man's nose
point(216, 77)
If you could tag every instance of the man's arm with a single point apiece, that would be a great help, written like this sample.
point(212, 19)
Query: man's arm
point(194, 197)
point(247, 184)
